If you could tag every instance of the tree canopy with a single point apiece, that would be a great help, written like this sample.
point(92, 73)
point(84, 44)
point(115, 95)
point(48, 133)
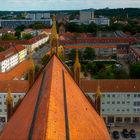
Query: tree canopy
point(8, 36)
point(135, 71)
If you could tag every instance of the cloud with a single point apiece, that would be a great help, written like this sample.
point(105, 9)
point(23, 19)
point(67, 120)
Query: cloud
point(65, 4)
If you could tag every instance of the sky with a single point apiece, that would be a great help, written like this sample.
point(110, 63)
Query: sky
point(15, 5)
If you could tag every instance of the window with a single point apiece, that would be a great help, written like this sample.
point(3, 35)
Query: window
point(103, 103)
point(113, 95)
point(103, 110)
point(118, 102)
point(128, 95)
point(108, 95)
point(14, 96)
point(108, 102)
point(0, 110)
point(0, 103)
point(5, 103)
point(113, 102)
point(123, 102)
point(128, 102)
point(135, 95)
point(118, 110)
point(139, 95)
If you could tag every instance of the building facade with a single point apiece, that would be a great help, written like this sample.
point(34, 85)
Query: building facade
point(11, 57)
point(86, 15)
point(120, 99)
point(18, 91)
point(100, 21)
point(18, 22)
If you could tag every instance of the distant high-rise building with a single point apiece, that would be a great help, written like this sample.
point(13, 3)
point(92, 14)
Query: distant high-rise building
point(46, 15)
point(30, 16)
point(86, 15)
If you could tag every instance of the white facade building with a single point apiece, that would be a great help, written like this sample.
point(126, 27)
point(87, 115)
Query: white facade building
point(120, 104)
point(8, 63)
point(11, 57)
point(100, 21)
point(18, 88)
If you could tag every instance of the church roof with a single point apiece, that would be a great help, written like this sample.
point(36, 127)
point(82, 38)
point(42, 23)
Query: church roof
point(55, 108)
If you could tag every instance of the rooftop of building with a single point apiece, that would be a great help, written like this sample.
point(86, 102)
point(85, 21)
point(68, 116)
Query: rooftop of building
point(23, 42)
point(16, 72)
point(10, 52)
point(7, 30)
point(110, 85)
point(16, 86)
point(55, 108)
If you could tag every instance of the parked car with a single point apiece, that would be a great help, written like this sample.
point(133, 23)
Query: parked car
point(132, 133)
point(125, 133)
point(116, 135)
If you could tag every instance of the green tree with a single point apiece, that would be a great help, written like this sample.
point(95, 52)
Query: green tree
point(135, 70)
point(27, 36)
point(2, 49)
point(89, 54)
point(8, 37)
point(18, 30)
point(37, 25)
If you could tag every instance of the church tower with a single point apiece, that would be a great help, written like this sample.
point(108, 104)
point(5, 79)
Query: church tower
point(31, 71)
point(98, 100)
point(54, 37)
point(77, 68)
point(9, 104)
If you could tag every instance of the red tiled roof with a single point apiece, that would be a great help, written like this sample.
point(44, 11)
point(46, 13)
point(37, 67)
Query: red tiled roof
point(23, 42)
point(53, 95)
point(74, 47)
point(6, 30)
point(17, 71)
point(11, 51)
point(111, 85)
point(16, 86)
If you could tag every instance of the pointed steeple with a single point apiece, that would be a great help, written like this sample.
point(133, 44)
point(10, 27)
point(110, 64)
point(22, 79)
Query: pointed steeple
point(77, 68)
point(9, 103)
point(31, 71)
point(54, 37)
point(98, 100)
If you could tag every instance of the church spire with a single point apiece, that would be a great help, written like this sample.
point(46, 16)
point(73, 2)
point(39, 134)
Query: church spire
point(77, 68)
point(9, 104)
point(31, 71)
point(54, 36)
point(98, 100)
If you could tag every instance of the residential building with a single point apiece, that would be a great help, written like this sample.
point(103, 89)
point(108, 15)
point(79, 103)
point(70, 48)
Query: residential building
point(100, 21)
point(11, 57)
point(3, 31)
point(120, 99)
point(30, 44)
point(18, 90)
point(13, 23)
point(86, 15)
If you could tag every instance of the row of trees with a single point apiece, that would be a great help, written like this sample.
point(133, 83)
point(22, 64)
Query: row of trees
point(93, 28)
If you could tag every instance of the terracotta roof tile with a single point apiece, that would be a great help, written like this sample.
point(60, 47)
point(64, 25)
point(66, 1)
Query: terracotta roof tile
point(46, 98)
point(16, 72)
point(16, 86)
point(111, 85)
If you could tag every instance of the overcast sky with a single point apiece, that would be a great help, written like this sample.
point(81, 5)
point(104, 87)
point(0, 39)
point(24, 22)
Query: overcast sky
point(65, 4)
